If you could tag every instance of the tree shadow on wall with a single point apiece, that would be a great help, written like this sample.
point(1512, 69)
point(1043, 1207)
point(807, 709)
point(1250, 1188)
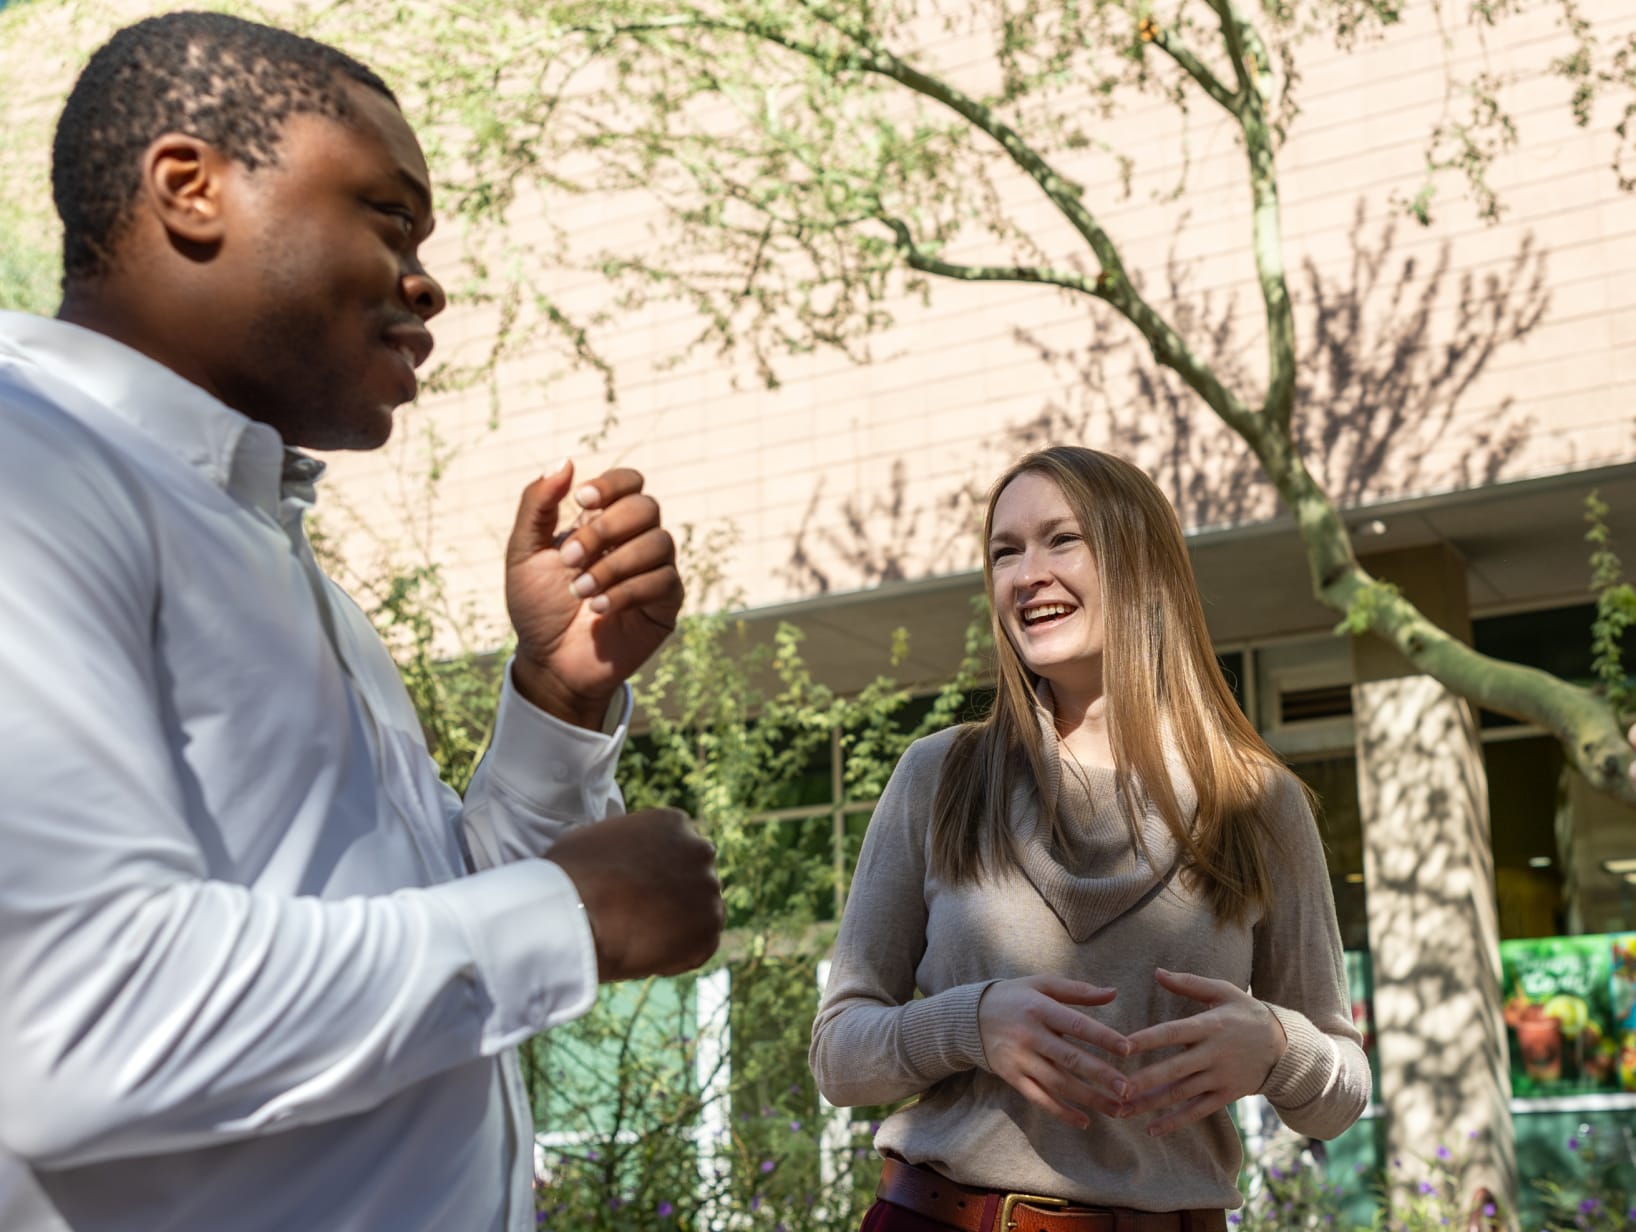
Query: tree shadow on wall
point(1388, 349)
point(882, 537)
point(1386, 353)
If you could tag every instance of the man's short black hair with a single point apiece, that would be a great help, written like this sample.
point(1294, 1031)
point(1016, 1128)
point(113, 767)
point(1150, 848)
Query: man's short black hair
point(221, 79)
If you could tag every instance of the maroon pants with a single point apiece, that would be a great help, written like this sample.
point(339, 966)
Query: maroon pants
point(884, 1217)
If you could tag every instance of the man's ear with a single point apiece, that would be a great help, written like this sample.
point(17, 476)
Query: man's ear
point(183, 179)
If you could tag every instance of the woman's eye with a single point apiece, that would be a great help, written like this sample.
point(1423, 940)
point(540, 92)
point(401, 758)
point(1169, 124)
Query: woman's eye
point(1063, 540)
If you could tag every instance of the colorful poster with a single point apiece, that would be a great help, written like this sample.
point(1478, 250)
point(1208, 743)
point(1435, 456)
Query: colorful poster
point(1570, 1006)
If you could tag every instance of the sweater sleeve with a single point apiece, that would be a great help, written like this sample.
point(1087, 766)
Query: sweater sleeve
point(1321, 1084)
point(874, 1042)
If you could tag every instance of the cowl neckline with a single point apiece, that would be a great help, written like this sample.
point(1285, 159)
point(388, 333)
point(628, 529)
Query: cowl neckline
point(1102, 870)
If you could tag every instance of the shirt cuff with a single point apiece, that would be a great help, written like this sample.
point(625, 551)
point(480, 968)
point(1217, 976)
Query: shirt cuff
point(1302, 1073)
point(553, 767)
point(531, 943)
point(940, 1035)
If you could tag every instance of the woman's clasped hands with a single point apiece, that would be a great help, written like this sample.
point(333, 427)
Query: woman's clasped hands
point(1054, 1054)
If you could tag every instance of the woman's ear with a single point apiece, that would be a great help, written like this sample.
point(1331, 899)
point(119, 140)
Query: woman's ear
point(183, 179)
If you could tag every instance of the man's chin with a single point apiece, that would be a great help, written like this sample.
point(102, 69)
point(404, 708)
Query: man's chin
point(363, 430)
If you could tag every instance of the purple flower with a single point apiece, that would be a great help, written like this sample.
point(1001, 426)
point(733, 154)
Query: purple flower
point(795, 1127)
point(615, 1203)
point(1235, 1219)
point(666, 1210)
point(767, 1165)
point(1427, 1188)
point(1490, 1210)
point(755, 1202)
point(1444, 1154)
point(1589, 1206)
point(1573, 1144)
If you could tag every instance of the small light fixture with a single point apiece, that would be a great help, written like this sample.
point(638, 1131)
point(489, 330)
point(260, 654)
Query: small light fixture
point(1354, 879)
point(1372, 529)
point(1539, 861)
point(1622, 867)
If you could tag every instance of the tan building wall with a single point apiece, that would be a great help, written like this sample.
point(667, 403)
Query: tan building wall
point(1433, 358)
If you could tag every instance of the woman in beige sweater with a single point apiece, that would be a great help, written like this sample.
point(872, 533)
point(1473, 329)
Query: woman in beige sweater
point(1084, 926)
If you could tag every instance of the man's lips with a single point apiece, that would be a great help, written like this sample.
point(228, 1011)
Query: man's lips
point(412, 344)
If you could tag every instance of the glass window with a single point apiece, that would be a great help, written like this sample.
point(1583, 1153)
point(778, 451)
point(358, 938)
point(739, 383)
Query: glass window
point(1335, 781)
point(1522, 809)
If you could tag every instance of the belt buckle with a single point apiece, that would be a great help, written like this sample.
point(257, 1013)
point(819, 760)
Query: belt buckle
point(1012, 1200)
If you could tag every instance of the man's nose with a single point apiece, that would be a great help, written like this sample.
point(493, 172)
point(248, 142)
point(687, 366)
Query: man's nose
point(423, 294)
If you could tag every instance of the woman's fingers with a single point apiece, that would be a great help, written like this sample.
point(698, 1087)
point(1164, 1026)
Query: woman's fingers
point(1035, 1039)
point(1036, 1094)
point(1194, 1110)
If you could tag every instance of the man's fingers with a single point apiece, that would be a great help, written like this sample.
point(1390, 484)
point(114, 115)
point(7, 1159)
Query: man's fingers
point(657, 593)
point(535, 526)
point(653, 553)
point(608, 488)
point(595, 537)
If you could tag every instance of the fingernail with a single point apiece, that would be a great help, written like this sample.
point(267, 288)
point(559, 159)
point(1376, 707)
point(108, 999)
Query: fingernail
point(573, 552)
point(588, 496)
point(584, 585)
point(556, 468)
point(599, 604)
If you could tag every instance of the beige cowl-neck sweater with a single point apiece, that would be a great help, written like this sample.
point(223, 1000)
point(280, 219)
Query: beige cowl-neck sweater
point(1101, 913)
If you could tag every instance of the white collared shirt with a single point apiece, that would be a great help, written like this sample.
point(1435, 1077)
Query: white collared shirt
point(248, 977)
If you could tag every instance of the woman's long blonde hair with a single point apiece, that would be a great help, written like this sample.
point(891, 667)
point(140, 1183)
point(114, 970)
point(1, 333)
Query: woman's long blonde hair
point(1161, 677)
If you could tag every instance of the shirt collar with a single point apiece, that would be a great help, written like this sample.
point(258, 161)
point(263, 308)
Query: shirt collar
point(244, 458)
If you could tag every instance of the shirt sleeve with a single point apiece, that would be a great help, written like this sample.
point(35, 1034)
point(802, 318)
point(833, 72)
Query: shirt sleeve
point(146, 1007)
point(540, 776)
point(873, 1041)
point(1321, 1084)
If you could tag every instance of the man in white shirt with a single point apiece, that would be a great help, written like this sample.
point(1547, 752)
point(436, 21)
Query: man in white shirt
point(259, 968)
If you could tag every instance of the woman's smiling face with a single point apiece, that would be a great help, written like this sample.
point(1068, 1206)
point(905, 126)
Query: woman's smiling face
point(1047, 588)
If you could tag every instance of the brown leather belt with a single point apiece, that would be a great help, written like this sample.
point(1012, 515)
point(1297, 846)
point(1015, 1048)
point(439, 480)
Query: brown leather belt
point(933, 1195)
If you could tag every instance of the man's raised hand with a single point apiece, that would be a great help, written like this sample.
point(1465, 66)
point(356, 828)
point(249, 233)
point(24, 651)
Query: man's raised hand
point(590, 602)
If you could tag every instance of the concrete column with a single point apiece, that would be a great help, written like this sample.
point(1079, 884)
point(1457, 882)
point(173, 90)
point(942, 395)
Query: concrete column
point(1429, 879)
